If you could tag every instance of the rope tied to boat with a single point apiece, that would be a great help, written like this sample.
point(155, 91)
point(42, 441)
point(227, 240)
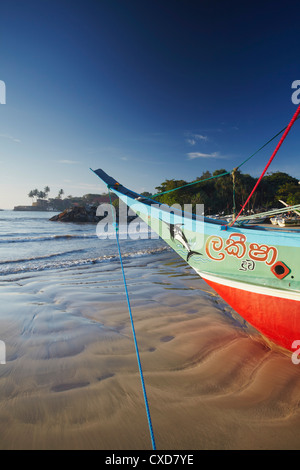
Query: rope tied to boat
point(115, 224)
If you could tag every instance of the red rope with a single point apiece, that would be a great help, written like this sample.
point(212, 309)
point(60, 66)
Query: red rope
point(269, 162)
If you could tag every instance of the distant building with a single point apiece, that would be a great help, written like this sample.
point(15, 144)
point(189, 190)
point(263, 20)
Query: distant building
point(41, 203)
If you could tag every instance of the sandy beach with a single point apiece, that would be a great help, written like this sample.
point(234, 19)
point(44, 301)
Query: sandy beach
point(71, 378)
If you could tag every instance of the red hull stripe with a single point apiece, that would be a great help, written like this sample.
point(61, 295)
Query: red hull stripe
point(275, 313)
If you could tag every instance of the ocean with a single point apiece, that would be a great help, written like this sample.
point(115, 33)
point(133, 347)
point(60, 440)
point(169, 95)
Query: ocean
point(30, 242)
point(70, 377)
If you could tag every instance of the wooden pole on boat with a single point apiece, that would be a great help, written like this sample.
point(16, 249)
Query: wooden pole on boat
point(269, 163)
point(287, 205)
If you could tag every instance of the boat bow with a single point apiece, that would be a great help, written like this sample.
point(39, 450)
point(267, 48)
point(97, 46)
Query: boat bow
point(254, 269)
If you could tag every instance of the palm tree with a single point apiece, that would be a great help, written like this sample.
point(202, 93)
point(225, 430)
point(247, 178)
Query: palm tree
point(60, 193)
point(35, 193)
point(41, 195)
point(46, 190)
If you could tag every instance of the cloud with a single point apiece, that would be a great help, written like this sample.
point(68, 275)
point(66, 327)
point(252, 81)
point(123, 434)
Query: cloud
point(88, 186)
point(77, 187)
point(201, 137)
point(68, 162)
point(10, 137)
point(192, 139)
point(193, 155)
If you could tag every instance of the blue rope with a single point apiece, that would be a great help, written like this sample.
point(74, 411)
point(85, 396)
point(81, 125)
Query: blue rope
point(133, 331)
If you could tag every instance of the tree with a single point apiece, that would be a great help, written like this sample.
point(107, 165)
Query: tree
point(289, 193)
point(223, 192)
point(279, 178)
point(41, 195)
point(272, 184)
point(60, 193)
point(35, 193)
point(174, 197)
point(205, 175)
point(47, 191)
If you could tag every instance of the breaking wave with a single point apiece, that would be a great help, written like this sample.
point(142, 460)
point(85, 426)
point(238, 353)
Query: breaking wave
point(47, 238)
point(51, 261)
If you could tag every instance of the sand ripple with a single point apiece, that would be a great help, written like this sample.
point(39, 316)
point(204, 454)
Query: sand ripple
point(71, 378)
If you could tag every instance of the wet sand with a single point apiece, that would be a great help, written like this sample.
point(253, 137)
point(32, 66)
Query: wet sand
point(71, 378)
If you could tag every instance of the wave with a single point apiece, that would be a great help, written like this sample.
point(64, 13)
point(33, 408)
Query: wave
point(11, 238)
point(62, 264)
point(14, 219)
point(38, 258)
point(47, 238)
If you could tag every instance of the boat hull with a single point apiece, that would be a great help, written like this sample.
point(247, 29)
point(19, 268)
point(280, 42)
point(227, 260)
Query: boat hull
point(274, 313)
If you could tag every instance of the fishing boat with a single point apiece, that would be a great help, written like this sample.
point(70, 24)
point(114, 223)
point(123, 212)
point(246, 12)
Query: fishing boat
point(289, 221)
point(255, 269)
point(274, 220)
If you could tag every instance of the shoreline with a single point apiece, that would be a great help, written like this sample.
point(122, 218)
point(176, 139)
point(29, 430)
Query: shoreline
point(71, 379)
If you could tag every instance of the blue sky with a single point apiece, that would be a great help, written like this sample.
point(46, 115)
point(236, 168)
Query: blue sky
point(146, 90)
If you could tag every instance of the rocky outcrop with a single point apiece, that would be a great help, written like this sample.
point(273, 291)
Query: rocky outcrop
point(78, 214)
